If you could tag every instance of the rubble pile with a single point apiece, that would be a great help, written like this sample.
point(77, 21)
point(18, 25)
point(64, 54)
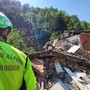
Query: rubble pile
point(60, 70)
point(64, 64)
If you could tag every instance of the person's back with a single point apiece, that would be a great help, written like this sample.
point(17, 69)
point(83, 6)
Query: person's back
point(15, 68)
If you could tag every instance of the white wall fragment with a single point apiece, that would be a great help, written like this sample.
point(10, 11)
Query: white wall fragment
point(59, 86)
point(73, 49)
point(58, 67)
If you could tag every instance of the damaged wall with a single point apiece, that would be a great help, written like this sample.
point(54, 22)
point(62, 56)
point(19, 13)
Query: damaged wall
point(85, 41)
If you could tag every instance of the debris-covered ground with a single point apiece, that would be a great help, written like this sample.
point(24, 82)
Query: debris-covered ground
point(61, 70)
point(63, 65)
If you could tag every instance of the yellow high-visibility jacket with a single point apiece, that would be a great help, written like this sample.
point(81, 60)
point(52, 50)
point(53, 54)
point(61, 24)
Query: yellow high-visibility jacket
point(15, 68)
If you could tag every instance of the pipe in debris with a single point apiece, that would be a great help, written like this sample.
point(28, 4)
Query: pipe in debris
point(42, 85)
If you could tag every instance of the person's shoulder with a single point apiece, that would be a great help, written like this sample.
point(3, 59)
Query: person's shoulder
point(18, 51)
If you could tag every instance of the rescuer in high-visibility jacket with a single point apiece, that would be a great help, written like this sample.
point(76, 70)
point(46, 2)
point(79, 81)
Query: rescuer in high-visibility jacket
point(15, 68)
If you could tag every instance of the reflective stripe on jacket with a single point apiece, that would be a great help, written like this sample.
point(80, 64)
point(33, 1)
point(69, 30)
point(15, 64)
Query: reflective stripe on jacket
point(13, 69)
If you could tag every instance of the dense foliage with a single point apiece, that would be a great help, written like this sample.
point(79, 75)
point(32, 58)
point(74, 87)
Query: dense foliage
point(34, 21)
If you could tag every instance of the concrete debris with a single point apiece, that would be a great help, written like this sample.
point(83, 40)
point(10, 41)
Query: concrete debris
point(57, 68)
point(87, 87)
point(72, 75)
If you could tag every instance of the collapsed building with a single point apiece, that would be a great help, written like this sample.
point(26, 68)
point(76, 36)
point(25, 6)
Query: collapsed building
point(62, 66)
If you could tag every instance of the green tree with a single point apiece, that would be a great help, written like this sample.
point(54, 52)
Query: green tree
point(85, 25)
point(16, 40)
point(73, 23)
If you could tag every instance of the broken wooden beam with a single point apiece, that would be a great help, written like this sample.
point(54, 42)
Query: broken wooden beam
point(38, 66)
point(62, 55)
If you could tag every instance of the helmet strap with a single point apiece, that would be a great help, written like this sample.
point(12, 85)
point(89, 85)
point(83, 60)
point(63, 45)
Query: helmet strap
point(4, 36)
